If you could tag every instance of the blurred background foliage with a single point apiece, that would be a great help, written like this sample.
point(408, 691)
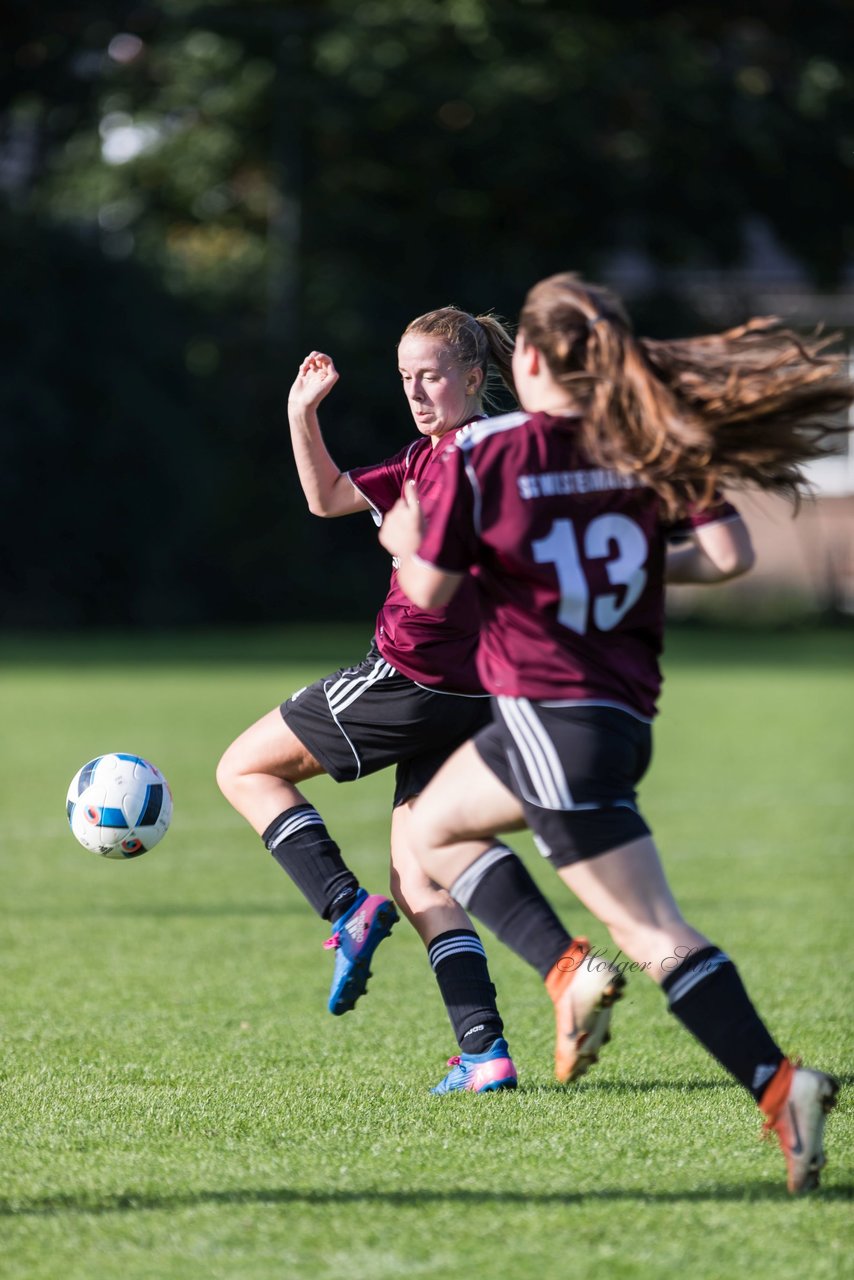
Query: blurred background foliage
point(196, 194)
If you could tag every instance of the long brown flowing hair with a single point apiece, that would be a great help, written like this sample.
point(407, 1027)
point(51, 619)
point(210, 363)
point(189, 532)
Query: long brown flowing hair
point(477, 342)
point(690, 416)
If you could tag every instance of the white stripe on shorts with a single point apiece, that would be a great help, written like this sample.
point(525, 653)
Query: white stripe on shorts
point(537, 750)
point(346, 690)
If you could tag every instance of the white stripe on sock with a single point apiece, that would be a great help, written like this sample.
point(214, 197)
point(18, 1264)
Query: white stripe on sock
point(297, 823)
point(693, 977)
point(454, 946)
point(462, 890)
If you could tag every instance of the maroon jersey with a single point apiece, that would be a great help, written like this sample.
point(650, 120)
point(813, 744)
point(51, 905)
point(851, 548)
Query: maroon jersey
point(570, 562)
point(436, 648)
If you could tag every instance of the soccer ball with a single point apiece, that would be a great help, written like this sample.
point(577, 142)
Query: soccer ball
point(119, 806)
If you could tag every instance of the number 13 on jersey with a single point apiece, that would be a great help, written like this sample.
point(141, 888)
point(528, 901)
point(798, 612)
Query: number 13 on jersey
point(613, 538)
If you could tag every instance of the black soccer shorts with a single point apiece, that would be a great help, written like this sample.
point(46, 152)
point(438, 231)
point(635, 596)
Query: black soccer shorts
point(574, 769)
point(362, 719)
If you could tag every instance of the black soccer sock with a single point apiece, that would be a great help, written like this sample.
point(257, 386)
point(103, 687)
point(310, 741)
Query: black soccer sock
point(302, 846)
point(708, 997)
point(459, 962)
point(499, 890)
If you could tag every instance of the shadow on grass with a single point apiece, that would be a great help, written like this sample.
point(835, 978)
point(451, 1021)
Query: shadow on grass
point(133, 1202)
point(634, 1086)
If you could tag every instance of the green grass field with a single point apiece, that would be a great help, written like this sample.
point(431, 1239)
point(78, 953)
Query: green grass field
point(176, 1102)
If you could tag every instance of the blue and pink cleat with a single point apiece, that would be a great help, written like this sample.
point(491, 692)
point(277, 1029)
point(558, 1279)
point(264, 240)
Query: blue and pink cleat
point(480, 1072)
point(357, 935)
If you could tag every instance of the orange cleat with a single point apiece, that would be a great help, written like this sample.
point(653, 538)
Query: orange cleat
point(583, 995)
point(796, 1104)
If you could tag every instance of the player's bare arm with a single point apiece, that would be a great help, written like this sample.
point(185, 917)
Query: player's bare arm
point(715, 553)
point(400, 533)
point(327, 490)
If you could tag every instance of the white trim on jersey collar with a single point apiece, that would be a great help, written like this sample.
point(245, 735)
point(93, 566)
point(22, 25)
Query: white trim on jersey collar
point(474, 432)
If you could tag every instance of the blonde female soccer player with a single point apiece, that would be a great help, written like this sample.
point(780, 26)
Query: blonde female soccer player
point(565, 512)
point(410, 703)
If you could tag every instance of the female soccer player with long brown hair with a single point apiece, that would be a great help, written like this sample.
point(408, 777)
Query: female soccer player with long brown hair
point(566, 510)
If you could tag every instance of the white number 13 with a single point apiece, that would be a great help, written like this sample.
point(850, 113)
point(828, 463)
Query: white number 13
point(613, 536)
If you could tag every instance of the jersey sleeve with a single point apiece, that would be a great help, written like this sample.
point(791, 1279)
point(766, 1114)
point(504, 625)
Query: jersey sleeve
point(450, 541)
point(381, 483)
point(718, 512)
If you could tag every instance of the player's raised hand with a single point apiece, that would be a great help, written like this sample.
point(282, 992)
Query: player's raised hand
point(316, 378)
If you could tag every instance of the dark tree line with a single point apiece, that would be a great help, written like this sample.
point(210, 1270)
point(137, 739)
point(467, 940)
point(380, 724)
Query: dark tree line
point(194, 194)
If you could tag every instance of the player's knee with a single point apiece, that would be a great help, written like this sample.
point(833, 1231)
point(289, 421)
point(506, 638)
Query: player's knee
point(227, 773)
point(414, 892)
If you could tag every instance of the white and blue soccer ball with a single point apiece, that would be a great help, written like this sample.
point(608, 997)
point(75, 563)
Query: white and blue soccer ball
point(119, 806)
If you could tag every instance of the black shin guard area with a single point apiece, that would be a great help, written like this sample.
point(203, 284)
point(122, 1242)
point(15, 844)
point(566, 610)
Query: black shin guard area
point(708, 997)
point(302, 846)
point(459, 962)
point(502, 894)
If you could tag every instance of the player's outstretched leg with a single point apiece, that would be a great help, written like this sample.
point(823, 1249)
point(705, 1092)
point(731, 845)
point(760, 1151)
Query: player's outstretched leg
point(796, 1104)
point(583, 992)
point(480, 1072)
point(358, 933)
